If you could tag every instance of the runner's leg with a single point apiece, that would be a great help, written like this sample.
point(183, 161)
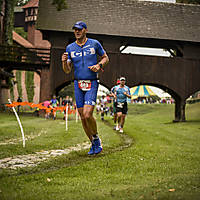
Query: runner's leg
point(119, 116)
point(85, 103)
point(115, 118)
point(123, 120)
point(84, 123)
point(115, 112)
point(88, 108)
point(124, 112)
point(88, 121)
point(91, 122)
point(90, 127)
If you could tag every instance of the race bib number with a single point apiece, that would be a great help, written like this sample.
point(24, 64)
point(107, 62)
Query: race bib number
point(120, 105)
point(84, 85)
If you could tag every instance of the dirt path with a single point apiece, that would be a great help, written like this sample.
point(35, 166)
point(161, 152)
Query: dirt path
point(32, 160)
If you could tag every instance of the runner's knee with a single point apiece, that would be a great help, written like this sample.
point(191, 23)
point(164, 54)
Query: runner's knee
point(119, 114)
point(87, 115)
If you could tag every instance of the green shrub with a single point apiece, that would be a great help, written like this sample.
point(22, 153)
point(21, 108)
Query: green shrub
point(29, 82)
point(19, 82)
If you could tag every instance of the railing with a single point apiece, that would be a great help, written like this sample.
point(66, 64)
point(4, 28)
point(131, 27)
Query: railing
point(16, 54)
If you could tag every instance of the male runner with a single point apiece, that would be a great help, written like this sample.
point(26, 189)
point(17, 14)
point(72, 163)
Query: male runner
point(83, 54)
point(121, 92)
point(116, 126)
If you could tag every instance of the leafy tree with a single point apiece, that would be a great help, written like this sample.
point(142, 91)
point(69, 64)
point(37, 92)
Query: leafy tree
point(20, 31)
point(29, 82)
point(67, 91)
point(7, 23)
point(8, 7)
point(188, 1)
point(19, 82)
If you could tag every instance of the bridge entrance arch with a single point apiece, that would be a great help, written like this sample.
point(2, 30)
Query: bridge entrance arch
point(179, 109)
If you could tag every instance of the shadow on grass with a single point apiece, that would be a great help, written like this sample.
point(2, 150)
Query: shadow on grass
point(185, 122)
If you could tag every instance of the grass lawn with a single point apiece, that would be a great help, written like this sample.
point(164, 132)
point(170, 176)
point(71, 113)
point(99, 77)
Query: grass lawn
point(154, 158)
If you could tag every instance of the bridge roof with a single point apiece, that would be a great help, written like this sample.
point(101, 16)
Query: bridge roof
point(125, 18)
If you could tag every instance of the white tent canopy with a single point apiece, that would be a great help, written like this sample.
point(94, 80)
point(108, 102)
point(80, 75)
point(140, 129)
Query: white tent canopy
point(159, 92)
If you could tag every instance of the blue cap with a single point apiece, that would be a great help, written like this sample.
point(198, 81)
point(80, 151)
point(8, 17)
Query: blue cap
point(80, 25)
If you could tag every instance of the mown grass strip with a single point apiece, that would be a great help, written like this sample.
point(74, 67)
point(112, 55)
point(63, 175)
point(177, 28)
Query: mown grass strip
point(162, 162)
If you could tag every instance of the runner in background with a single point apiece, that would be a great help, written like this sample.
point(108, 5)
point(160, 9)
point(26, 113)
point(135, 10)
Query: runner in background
point(98, 106)
point(121, 92)
point(47, 104)
point(54, 104)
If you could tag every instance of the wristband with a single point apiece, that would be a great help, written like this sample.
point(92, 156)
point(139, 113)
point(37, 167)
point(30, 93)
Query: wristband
point(101, 66)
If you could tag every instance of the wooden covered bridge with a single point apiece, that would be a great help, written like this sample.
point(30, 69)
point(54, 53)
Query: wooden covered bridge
point(117, 23)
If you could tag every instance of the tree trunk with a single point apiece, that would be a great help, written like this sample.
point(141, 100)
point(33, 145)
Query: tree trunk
point(8, 22)
point(2, 14)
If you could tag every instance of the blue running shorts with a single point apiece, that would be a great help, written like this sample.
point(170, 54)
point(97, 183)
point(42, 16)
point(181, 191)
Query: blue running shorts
point(86, 97)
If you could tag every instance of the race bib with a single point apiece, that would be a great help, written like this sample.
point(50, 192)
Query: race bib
point(120, 105)
point(84, 85)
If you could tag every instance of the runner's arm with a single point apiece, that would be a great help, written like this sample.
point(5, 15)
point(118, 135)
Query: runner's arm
point(128, 95)
point(66, 63)
point(104, 61)
point(113, 91)
point(99, 66)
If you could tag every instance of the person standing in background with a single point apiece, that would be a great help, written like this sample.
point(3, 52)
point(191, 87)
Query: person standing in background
point(19, 100)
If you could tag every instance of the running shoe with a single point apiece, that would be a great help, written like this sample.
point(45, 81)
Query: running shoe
point(117, 128)
point(91, 152)
point(121, 130)
point(97, 146)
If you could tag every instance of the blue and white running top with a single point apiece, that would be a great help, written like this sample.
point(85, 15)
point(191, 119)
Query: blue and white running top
point(119, 92)
point(54, 102)
point(113, 88)
point(113, 91)
point(83, 57)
